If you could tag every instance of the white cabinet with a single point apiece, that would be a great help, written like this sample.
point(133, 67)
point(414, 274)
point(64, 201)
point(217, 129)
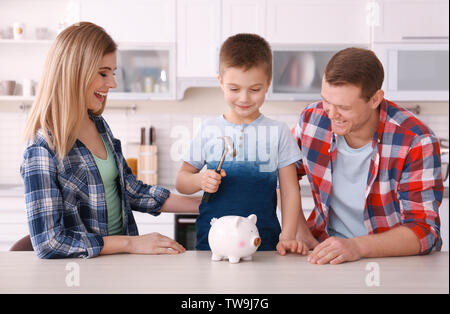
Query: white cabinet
point(145, 72)
point(415, 72)
point(13, 221)
point(412, 20)
point(149, 21)
point(411, 41)
point(198, 44)
point(164, 223)
point(198, 38)
point(317, 22)
point(243, 16)
point(297, 71)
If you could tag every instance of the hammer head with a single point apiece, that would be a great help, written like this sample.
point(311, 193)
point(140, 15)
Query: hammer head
point(228, 146)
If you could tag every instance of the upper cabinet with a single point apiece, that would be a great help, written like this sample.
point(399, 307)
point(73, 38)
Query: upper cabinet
point(317, 22)
point(198, 43)
point(243, 16)
point(137, 21)
point(415, 72)
point(198, 37)
point(412, 21)
point(167, 46)
point(297, 72)
point(411, 40)
point(145, 72)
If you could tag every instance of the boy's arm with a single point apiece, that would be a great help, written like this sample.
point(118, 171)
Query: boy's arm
point(188, 179)
point(290, 201)
point(295, 235)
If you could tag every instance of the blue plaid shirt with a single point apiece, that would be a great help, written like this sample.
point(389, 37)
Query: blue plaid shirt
point(65, 200)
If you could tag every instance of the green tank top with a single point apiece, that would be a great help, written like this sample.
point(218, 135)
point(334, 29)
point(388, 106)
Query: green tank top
point(108, 172)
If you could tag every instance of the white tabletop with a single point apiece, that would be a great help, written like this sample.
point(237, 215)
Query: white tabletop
point(194, 272)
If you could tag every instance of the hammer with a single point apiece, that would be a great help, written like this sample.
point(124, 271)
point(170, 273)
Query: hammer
point(228, 148)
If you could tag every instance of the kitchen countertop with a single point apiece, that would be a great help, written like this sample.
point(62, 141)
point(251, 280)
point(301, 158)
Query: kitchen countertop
point(193, 272)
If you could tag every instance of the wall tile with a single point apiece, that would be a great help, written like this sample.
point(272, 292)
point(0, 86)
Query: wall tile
point(126, 127)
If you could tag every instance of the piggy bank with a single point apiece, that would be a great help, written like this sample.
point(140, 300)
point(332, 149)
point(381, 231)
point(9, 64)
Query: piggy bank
point(233, 237)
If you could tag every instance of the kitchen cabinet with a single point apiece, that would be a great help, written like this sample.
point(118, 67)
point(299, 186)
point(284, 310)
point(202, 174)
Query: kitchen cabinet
point(13, 220)
point(412, 21)
point(317, 22)
point(198, 43)
point(243, 16)
point(164, 223)
point(411, 41)
point(145, 72)
point(415, 72)
point(202, 26)
point(144, 21)
point(298, 70)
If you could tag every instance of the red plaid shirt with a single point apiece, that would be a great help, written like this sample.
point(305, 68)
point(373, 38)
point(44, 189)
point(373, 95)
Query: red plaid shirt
point(404, 185)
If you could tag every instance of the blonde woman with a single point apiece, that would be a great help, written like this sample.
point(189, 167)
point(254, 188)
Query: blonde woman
point(79, 190)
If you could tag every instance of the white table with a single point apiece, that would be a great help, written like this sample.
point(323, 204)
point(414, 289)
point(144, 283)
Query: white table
point(194, 272)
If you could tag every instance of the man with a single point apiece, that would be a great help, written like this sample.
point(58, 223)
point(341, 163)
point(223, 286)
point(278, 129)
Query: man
point(373, 167)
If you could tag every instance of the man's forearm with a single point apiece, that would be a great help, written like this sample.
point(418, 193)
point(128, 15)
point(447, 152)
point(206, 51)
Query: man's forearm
point(400, 241)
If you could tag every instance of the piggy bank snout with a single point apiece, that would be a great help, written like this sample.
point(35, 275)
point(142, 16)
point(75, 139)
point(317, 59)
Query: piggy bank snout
point(257, 241)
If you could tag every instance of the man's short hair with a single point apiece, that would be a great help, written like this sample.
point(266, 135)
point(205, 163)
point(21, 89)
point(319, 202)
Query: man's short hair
point(246, 51)
point(356, 66)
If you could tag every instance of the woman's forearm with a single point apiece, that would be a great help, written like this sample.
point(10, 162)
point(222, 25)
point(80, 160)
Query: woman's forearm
point(181, 204)
point(115, 244)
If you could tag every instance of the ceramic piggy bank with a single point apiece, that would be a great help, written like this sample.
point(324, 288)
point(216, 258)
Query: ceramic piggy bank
point(233, 237)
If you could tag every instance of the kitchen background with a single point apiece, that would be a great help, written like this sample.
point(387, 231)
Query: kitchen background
point(167, 71)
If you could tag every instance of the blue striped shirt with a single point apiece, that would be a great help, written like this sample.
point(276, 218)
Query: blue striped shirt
point(65, 200)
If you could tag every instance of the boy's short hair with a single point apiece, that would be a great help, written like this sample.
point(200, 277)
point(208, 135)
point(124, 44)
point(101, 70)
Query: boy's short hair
point(246, 51)
point(356, 66)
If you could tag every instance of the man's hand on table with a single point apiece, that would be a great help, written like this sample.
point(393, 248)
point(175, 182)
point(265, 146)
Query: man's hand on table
point(335, 251)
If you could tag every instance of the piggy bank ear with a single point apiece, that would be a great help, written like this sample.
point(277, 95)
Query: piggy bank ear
point(252, 218)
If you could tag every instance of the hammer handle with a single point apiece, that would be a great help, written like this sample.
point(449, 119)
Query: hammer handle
point(206, 195)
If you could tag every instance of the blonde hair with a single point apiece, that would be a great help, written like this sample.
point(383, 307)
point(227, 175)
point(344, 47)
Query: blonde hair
point(60, 104)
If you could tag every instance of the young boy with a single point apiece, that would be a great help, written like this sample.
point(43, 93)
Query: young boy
point(265, 151)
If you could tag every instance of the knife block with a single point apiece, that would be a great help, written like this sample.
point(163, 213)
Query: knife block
point(148, 164)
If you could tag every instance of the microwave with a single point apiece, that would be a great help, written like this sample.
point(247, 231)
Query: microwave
point(415, 72)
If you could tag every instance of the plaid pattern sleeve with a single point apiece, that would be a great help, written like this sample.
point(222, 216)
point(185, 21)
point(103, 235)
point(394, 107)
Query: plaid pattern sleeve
point(404, 184)
point(140, 196)
point(144, 198)
point(296, 131)
point(418, 192)
point(45, 210)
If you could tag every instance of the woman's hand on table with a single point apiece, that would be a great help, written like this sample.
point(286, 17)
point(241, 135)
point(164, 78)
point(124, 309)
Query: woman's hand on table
point(154, 243)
